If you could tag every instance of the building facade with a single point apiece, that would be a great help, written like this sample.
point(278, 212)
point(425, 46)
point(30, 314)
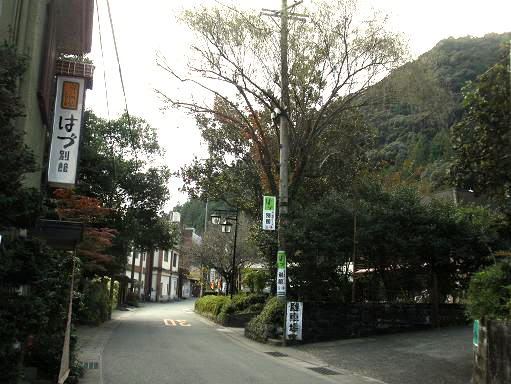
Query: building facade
point(154, 275)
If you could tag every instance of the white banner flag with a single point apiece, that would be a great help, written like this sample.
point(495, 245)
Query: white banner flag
point(65, 140)
point(294, 320)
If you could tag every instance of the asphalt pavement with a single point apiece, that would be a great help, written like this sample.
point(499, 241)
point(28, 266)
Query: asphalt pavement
point(169, 343)
point(436, 356)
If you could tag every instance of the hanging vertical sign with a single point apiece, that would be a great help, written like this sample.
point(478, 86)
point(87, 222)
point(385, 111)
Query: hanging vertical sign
point(269, 203)
point(281, 273)
point(212, 274)
point(65, 138)
point(294, 320)
point(475, 333)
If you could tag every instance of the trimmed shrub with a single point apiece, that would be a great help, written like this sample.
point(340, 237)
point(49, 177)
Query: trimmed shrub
point(243, 303)
point(132, 299)
point(489, 293)
point(211, 305)
point(95, 301)
point(268, 324)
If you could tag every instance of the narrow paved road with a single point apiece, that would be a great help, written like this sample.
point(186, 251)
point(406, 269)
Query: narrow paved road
point(168, 343)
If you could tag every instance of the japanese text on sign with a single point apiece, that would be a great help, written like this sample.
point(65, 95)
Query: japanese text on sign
point(294, 320)
point(281, 282)
point(66, 131)
point(269, 203)
point(281, 273)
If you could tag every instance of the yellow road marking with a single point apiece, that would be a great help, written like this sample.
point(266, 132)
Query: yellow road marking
point(175, 323)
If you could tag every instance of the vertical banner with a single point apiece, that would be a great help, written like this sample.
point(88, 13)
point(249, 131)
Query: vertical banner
point(294, 320)
point(281, 273)
point(475, 334)
point(65, 140)
point(212, 278)
point(269, 203)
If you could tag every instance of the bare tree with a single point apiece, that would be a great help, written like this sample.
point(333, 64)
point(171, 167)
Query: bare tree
point(333, 58)
point(216, 249)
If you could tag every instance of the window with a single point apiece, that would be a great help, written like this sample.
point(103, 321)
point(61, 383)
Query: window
point(174, 260)
point(166, 256)
point(136, 254)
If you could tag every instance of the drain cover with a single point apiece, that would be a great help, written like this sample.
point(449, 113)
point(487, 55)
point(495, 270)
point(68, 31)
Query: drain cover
point(91, 365)
point(324, 371)
point(276, 354)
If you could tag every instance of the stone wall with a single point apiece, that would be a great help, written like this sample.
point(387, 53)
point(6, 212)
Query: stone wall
point(492, 355)
point(324, 321)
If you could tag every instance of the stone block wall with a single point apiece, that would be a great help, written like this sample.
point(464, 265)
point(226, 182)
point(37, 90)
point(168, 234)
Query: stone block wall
point(492, 356)
point(325, 321)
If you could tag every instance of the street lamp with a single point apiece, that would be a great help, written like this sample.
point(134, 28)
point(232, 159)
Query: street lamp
point(229, 217)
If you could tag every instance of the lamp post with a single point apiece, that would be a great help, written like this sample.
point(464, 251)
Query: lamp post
point(228, 217)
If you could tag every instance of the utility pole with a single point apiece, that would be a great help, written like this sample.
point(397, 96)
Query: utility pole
point(284, 137)
point(284, 147)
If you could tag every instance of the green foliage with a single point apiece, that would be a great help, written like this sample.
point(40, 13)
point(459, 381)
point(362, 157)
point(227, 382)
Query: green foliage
point(193, 212)
point(402, 242)
point(18, 205)
point(328, 137)
point(41, 312)
point(116, 166)
point(268, 322)
point(415, 107)
point(94, 305)
point(489, 293)
point(245, 303)
point(132, 299)
point(218, 307)
point(212, 305)
point(255, 280)
point(483, 137)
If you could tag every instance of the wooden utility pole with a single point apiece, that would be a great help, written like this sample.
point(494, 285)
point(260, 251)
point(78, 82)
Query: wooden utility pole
point(284, 146)
point(284, 135)
point(284, 129)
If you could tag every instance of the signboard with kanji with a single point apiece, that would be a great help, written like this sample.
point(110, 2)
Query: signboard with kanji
point(294, 320)
point(269, 203)
point(281, 273)
point(65, 141)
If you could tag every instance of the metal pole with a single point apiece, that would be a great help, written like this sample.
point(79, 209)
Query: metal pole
point(284, 145)
point(203, 235)
point(234, 253)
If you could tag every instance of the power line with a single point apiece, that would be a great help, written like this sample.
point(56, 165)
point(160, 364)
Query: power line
point(118, 63)
point(103, 58)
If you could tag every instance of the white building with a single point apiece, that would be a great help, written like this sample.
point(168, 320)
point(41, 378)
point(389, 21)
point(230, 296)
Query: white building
point(158, 271)
point(155, 275)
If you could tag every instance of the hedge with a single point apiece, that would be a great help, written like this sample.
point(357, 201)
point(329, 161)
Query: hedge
point(489, 293)
point(217, 307)
point(268, 324)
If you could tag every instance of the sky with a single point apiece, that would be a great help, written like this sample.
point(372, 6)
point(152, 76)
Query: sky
point(146, 28)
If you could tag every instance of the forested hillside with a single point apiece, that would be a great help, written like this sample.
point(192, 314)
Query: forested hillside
point(413, 109)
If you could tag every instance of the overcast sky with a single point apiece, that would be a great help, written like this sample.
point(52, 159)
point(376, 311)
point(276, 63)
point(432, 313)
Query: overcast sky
point(143, 28)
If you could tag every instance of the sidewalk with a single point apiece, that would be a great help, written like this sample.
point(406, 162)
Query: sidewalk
point(296, 357)
point(439, 356)
point(91, 343)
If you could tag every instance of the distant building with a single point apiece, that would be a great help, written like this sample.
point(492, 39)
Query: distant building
point(456, 196)
point(159, 282)
point(154, 275)
point(190, 273)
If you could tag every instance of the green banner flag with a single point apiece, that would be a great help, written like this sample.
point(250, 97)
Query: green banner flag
point(281, 259)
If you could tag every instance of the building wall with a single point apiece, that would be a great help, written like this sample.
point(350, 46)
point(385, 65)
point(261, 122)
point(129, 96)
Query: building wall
point(23, 22)
point(164, 276)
